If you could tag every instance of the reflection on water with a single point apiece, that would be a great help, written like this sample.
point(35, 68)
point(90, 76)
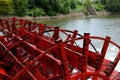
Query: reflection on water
point(96, 26)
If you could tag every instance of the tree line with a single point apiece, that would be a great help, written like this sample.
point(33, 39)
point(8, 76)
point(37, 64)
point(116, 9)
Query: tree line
point(52, 7)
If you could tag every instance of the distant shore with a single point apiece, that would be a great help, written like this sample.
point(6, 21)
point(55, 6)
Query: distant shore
point(70, 15)
point(58, 16)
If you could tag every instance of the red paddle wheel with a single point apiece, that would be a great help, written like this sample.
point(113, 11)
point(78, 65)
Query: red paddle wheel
point(35, 51)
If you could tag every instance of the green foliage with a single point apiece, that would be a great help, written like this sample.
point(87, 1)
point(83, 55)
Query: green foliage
point(20, 7)
point(113, 5)
point(79, 8)
point(39, 12)
point(36, 12)
point(103, 2)
point(52, 7)
point(99, 7)
point(75, 4)
point(51, 13)
point(30, 13)
point(87, 4)
point(6, 7)
point(65, 9)
point(72, 4)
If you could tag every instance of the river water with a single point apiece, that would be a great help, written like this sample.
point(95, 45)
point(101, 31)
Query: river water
point(97, 26)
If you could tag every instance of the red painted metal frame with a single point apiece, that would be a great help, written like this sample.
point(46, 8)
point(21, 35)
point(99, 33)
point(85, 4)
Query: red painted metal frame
point(35, 51)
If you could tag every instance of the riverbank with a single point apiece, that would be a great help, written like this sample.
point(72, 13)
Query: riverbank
point(58, 16)
point(70, 15)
